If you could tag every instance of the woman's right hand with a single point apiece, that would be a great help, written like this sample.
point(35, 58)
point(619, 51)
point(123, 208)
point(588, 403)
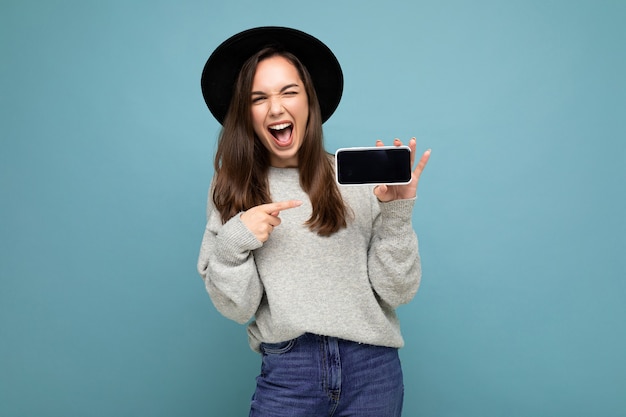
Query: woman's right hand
point(261, 220)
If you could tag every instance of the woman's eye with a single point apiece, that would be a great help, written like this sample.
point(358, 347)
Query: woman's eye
point(257, 99)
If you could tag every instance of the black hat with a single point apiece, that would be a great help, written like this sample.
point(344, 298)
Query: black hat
point(223, 66)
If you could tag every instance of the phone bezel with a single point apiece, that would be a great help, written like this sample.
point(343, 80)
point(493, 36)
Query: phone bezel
point(369, 148)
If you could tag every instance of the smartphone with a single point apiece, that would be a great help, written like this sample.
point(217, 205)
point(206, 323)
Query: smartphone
point(373, 165)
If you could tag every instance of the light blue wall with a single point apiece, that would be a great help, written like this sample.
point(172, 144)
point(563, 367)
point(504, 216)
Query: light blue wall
point(105, 160)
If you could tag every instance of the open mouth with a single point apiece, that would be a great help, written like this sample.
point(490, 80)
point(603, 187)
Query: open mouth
point(281, 133)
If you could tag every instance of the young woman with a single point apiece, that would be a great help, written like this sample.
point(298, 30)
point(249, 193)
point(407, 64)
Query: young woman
point(316, 269)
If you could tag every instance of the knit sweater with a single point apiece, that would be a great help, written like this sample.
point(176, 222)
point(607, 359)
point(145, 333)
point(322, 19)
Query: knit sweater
point(347, 285)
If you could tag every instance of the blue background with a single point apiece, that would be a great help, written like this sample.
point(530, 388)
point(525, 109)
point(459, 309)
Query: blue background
point(106, 157)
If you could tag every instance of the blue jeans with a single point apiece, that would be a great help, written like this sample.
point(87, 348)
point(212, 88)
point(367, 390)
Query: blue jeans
point(314, 376)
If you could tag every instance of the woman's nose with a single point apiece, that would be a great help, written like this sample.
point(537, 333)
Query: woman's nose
point(276, 106)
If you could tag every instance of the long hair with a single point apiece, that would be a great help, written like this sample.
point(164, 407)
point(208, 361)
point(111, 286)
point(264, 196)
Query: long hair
point(242, 161)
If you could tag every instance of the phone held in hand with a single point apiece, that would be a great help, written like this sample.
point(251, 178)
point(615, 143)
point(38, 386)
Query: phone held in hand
point(373, 165)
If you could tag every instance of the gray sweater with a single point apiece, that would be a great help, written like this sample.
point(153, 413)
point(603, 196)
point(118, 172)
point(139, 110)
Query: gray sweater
point(346, 285)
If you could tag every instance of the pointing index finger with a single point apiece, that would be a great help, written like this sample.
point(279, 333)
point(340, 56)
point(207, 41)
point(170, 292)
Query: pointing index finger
point(275, 208)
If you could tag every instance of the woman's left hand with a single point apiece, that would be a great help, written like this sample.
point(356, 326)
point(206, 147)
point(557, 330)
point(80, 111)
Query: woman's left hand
point(387, 193)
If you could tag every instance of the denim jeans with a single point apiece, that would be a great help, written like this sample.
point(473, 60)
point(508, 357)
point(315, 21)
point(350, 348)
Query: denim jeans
point(315, 376)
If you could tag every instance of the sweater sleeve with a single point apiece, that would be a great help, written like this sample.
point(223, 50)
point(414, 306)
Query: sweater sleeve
point(393, 258)
point(226, 264)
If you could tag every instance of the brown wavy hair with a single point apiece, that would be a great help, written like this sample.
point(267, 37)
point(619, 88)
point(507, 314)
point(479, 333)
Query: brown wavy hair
point(242, 161)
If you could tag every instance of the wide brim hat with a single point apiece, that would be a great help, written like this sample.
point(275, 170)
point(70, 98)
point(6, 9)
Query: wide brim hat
point(223, 66)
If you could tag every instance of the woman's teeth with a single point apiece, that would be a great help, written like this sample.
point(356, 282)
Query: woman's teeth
point(280, 126)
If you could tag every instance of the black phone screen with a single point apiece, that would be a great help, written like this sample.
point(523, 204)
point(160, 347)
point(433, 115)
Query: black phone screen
point(382, 165)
